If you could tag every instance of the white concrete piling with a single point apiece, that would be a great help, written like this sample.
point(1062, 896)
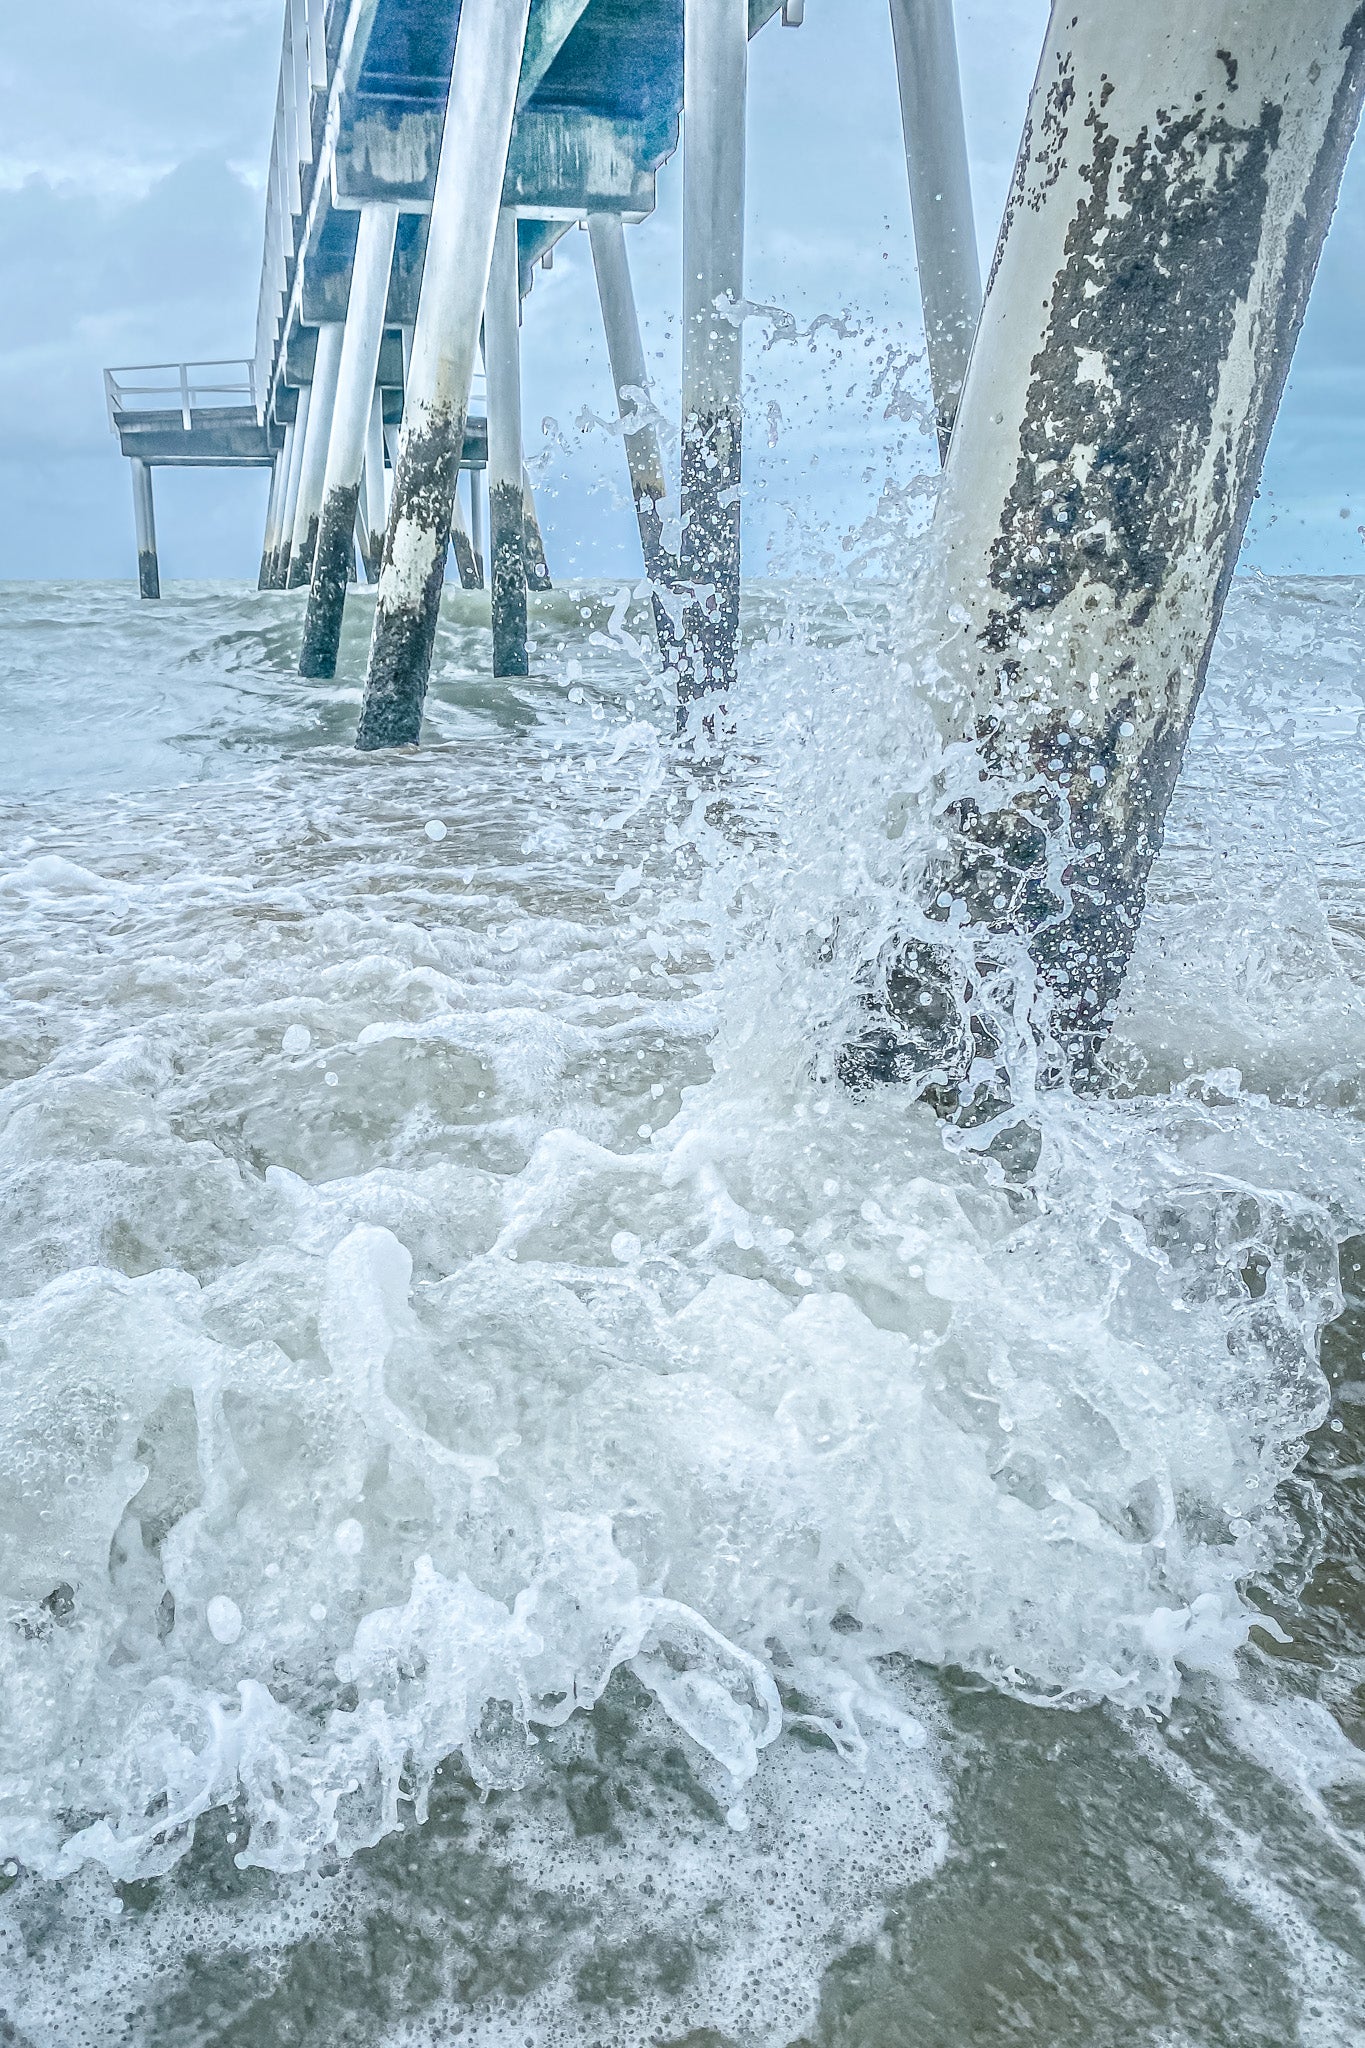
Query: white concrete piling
point(477, 523)
point(464, 218)
point(466, 561)
point(630, 380)
point(298, 436)
point(361, 532)
point(533, 540)
point(940, 194)
point(716, 51)
point(352, 413)
point(373, 505)
point(279, 475)
point(313, 463)
point(506, 513)
point(1179, 170)
point(144, 519)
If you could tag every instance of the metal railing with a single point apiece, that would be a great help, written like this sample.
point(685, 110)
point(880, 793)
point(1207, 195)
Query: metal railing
point(180, 387)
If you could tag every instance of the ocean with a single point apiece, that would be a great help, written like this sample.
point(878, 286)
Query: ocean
point(529, 1513)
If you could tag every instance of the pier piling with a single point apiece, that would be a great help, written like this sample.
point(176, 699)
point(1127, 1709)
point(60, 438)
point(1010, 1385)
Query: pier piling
point(506, 506)
point(467, 562)
point(373, 506)
point(313, 463)
point(630, 380)
point(352, 412)
point(940, 194)
point(477, 524)
point(464, 216)
point(271, 537)
point(716, 52)
point(533, 540)
point(1178, 173)
point(298, 435)
point(144, 519)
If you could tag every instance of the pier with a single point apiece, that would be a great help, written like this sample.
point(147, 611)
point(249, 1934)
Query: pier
point(1102, 421)
point(425, 159)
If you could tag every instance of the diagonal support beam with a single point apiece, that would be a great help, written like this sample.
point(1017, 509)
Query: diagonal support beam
point(550, 26)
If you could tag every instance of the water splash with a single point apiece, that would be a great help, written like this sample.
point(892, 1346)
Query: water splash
point(443, 1285)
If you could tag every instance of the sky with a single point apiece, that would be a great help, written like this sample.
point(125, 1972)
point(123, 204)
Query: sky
point(134, 137)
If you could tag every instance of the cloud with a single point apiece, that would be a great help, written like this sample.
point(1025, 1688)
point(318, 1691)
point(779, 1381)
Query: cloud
point(88, 279)
point(134, 136)
point(107, 95)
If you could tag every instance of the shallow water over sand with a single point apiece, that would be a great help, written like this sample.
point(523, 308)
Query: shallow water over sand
point(529, 1514)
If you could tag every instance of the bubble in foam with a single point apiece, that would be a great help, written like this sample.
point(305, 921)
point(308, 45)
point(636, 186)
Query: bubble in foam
point(224, 1618)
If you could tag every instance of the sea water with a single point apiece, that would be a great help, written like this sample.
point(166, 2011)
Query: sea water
point(529, 1514)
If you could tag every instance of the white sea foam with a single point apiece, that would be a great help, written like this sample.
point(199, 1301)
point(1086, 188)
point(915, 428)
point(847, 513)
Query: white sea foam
point(439, 1276)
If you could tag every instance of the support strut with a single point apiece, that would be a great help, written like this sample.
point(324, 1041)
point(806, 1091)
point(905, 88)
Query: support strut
point(352, 412)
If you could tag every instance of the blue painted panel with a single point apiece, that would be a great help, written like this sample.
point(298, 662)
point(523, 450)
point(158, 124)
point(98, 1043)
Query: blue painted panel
point(624, 59)
point(411, 48)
